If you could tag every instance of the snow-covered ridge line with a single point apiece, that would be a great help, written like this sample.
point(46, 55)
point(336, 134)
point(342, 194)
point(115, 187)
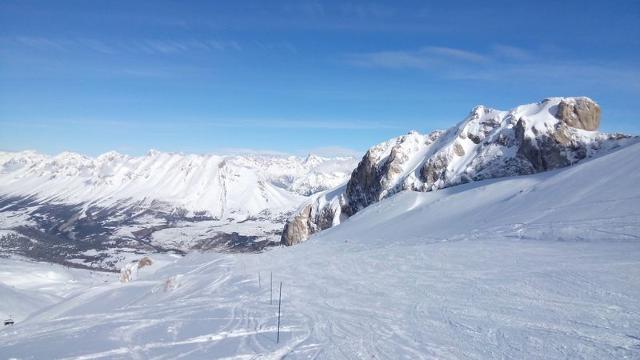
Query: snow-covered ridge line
point(221, 185)
point(488, 143)
point(153, 152)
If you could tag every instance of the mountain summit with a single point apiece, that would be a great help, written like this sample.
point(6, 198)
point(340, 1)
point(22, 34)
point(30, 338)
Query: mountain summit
point(488, 143)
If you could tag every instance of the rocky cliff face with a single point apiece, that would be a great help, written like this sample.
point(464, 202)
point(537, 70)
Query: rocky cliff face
point(579, 113)
point(489, 143)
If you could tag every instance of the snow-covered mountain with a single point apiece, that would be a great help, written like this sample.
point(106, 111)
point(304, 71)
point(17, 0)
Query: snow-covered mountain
point(488, 143)
point(541, 266)
point(159, 201)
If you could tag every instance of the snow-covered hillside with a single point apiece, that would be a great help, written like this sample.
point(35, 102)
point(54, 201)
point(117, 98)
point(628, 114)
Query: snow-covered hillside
point(536, 266)
point(74, 209)
point(553, 133)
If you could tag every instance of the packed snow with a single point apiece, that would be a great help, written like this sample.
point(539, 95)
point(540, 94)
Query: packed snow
point(27, 286)
point(538, 266)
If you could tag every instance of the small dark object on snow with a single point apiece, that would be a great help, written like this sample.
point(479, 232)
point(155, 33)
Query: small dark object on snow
point(8, 322)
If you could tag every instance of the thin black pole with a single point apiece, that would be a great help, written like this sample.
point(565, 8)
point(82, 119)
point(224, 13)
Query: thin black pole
point(271, 293)
point(279, 302)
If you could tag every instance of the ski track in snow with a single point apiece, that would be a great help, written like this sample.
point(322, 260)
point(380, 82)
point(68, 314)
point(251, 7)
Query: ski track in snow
point(461, 299)
point(521, 268)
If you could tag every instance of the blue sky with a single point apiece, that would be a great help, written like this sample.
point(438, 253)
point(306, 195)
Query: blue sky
point(296, 76)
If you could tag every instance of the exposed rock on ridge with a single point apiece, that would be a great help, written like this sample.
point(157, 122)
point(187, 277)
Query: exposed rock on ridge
point(489, 143)
point(581, 113)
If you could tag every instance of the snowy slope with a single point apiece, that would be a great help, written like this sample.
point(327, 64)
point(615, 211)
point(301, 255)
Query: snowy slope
point(27, 286)
point(536, 266)
point(221, 186)
point(487, 144)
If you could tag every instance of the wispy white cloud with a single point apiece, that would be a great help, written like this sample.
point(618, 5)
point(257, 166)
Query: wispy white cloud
point(512, 52)
point(305, 8)
point(203, 123)
point(155, 46)
point(278, 47)
point(504, 63)
point(41, 42)
point(618, 76)
point(390, 59)
point(149, 46)
point(423, 58)
point(366, 10)
point(98, 46)
point(456, 54)
point(309, 123)
point(336, 124)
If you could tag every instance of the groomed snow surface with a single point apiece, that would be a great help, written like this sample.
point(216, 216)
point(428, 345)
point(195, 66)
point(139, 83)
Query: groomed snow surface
point(27, 286)
point(543, 266)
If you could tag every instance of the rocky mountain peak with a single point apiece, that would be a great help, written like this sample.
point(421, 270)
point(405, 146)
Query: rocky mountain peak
point(488, 143)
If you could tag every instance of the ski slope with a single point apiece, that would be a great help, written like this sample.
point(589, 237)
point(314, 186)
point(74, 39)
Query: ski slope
point(27, 286)
point(539, 266)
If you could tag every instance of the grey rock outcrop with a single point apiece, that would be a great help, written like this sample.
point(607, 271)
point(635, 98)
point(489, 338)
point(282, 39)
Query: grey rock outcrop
point(310, 219)
point(298, 227)
point(579, 113)
point(364, 186)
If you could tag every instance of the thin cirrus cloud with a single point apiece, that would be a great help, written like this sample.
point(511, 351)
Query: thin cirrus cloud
point(503, 63)
point(297, 124)
point(344, 9)
point(512, 52)
point(423, 58)
point(366, 10)
point(455, 54)
point(148, 46)
point(344, 124)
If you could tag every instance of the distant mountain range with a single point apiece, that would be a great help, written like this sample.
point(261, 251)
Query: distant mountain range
point(218, 186)
point(79, 203)
point(98, 212)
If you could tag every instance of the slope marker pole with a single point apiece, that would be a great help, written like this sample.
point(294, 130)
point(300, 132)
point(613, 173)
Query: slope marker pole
point(279, 302)
point(259, 284)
